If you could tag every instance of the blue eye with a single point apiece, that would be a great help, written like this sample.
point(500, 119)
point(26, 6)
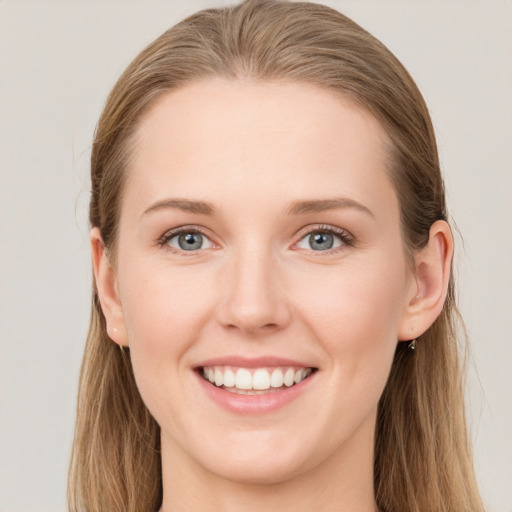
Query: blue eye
point(187, 240)
point(324, 240)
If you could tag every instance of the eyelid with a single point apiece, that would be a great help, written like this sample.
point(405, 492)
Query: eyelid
point(163, 241)
point(346, 238)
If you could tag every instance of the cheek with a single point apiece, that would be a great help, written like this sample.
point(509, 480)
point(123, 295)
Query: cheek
point(357, 300)
point(355, 315)
point(161, 303)
point(164, 312)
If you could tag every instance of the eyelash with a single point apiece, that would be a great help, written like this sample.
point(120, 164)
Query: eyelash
point(346, 238)
point(166, 237)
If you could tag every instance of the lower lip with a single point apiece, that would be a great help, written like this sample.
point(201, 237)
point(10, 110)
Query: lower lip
point(254, 404)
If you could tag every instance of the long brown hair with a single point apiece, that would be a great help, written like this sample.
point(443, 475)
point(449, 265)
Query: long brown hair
point(423, 458)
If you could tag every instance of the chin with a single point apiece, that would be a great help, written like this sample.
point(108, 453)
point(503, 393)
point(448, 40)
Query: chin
point(260, 458)
point(258, 471)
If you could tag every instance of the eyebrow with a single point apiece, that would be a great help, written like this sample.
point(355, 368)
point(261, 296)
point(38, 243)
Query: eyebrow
point(186, 205)
point(322, 205)
point(293, 208)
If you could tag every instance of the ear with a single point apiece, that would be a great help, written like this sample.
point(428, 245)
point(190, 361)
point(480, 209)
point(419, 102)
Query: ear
point(428, 288)
point(108, 292)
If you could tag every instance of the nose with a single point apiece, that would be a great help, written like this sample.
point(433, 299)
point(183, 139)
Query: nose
point(253, 297)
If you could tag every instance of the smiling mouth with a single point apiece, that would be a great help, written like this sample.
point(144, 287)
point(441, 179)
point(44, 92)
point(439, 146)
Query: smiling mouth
point(254, 381)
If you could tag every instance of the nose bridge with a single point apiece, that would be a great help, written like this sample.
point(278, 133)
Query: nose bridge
point(253, 295)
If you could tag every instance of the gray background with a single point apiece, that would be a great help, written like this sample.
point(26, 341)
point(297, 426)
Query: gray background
point(58, 61)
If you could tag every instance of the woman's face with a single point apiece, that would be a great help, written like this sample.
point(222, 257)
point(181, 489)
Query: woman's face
point(260, 243)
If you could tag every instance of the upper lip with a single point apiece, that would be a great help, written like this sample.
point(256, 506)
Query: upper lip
point(253, 362)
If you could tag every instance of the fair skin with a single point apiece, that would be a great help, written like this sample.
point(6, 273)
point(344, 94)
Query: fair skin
point(271, 164)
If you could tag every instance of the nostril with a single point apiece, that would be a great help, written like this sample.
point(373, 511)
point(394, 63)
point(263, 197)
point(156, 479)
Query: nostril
point(253, 304)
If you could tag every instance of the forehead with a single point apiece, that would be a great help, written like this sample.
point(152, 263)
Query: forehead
point(251, 138)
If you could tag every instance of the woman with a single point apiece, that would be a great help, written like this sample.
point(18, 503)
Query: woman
point(273, 319)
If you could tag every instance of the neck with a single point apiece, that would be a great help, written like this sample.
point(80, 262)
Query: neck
point(341, 483)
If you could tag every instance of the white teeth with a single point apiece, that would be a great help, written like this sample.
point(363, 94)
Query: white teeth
point(229, 378)
point(261, 379)
point(255, 381)
point(276, 379)
point(219, 378)
point(243, 379)
point(289, 377)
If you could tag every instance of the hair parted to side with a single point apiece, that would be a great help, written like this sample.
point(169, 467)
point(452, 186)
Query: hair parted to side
point(423, 459)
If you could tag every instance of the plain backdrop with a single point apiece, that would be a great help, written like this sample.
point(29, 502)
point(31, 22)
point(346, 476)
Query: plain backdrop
point(58, 61)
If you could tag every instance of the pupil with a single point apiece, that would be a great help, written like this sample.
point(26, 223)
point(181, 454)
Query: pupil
point(321, 241)
point(190, 241)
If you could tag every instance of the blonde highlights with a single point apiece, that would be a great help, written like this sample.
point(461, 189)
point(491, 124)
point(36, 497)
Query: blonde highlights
point(422, 452)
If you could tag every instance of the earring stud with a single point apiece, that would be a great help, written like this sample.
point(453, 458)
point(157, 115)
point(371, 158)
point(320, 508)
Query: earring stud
point(412, 345)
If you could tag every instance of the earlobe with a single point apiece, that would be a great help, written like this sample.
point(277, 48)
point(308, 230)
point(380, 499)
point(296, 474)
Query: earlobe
point(106, 286)
point(428, 290)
